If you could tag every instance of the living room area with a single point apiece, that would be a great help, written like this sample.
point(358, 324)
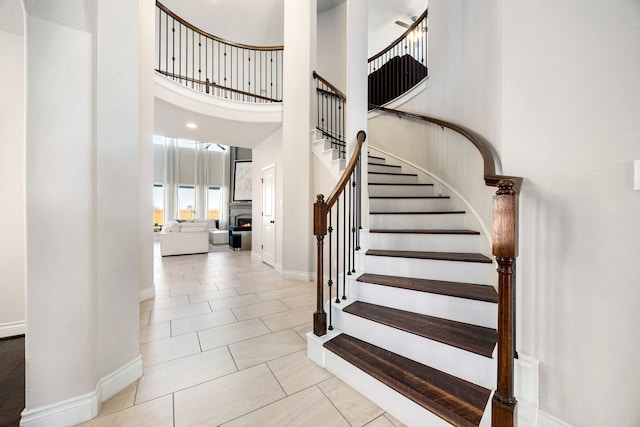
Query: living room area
point(202, 197)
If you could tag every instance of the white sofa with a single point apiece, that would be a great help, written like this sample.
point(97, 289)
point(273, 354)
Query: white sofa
point(182, 238)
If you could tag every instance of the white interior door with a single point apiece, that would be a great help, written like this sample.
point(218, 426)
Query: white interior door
point(269, 215)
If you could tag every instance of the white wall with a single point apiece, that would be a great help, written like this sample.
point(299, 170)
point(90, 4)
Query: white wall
point(12, 172)
point(268, 152)
point(332, 45)
point(253, 22)
point(571, 105)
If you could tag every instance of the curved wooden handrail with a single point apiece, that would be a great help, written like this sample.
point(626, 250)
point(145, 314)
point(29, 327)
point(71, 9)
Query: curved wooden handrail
point(336, 91)
point(346, 175)
point(206, 34)
point(489, 158)
point(399, 39)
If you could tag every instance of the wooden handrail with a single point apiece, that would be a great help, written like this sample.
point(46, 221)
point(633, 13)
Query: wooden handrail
point(489, 158)
point(330, 86)
point(344, 179)
point(204, 33)
point(399, 39)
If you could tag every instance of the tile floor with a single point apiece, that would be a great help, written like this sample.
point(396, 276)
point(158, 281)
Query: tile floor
point(223, 344)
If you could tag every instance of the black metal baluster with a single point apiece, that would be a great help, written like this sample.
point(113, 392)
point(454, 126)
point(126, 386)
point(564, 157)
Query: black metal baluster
point(348, 230)
point(338, 250)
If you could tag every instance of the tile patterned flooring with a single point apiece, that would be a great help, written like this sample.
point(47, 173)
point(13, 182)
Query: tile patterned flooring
point(223, 344)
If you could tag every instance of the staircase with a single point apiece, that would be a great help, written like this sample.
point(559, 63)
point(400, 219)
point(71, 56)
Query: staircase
point(418, 330)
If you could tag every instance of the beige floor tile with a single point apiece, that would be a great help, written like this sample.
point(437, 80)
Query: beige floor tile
point(226, 398)
point(233, 282)
point(256, 287)
point(192, 290)
point(356, 408)
point(169, 377)
point(261, 309)
point(202, 274)
point(159, 351)
point(265, 348)
point(158, 303)
point(156, 413)
point(301, 301)
point(120, 401)
point(170, 313)
point(155, 331)
point(308, 408)
point(395, 422)
point(201, 321)
point(279, 293)
point(177, 284)
point(288, 319)
point(144, 318)
point(212, 295)
point(232, 333)
point(226, 303)
point(381, 421)
point(296, 372)
point(302, 330)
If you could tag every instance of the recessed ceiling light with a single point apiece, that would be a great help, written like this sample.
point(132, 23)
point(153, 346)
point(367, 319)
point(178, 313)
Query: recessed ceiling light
point(192, 125)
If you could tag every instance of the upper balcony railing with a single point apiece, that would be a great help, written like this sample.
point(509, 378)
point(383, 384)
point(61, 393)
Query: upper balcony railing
point(400, 66)
point(204, 62)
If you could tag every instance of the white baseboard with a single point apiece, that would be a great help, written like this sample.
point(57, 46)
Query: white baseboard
point(298, 275)
point(147, 293)
point(83, 408)
point(546, 420)
point(11, 329)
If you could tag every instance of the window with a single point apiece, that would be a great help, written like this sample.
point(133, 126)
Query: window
point(158, 207)
point(186, 202)
point(213, 202)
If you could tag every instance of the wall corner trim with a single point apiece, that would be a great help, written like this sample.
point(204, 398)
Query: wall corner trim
point(85, 407)
point(546, 420)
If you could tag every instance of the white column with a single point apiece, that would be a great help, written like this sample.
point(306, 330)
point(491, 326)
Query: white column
point(357, 88)
point(299, 62)
point(82, 207)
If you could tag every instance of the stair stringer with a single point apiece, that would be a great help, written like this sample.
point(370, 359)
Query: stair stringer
point(458, 202)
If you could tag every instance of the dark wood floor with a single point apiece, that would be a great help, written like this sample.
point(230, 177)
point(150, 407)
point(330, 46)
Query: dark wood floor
point(11, 381)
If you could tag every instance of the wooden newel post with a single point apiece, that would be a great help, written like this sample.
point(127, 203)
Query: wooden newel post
point(503, 411)
point(207, 85)
point(320, 230)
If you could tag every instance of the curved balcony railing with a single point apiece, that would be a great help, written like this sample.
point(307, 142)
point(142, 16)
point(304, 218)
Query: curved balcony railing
point(330, 114)
point(401, 66)
point(210, 64)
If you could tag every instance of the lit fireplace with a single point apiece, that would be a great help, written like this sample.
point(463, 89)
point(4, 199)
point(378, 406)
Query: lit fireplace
point(243, 222)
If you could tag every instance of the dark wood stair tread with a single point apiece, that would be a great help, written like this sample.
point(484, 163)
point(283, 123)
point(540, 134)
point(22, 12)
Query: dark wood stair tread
point(383, 164)
point(442, 256)
point(470, 291)
point(409, 197)
point(378, 158)
point(393, 173)
point(457, 401)
point(419, 213)
point(423, 231)
point(399, 183)
point(476, 339)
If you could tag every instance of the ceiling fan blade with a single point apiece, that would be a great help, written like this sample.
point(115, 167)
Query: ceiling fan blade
point(403, 24)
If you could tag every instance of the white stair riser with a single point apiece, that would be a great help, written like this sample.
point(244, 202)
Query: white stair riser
point(447, 307)
point(424, 242)
point(376, 160)
point(399, 190)
point(417, 221)
point(440, 204)
point(405, 410)
point(453, 271)
point(392, 179)
point(385, 168)
point(463, 364)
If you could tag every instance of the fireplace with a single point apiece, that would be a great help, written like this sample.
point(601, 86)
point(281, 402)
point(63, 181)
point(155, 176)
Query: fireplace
point(243, 222)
